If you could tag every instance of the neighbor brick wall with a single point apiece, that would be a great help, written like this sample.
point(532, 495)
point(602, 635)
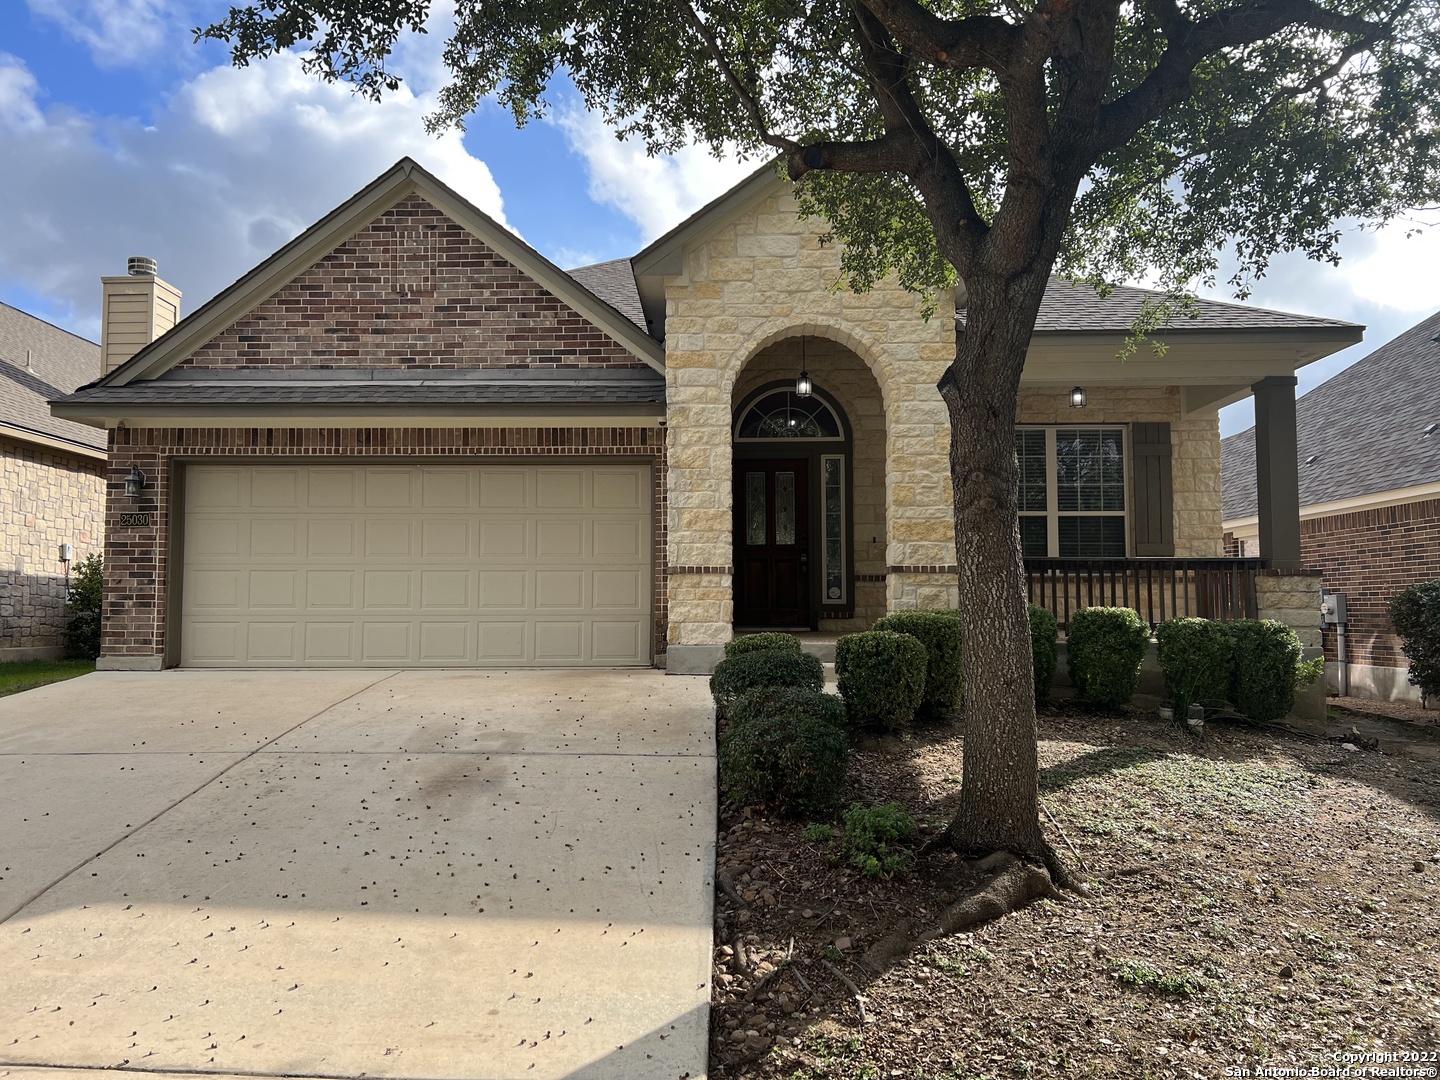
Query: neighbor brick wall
point(1370, 555)
point(137, 564)
point(413, 289)
point(46, 498)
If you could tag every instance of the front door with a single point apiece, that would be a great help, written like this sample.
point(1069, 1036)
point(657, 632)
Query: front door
point(772, 543)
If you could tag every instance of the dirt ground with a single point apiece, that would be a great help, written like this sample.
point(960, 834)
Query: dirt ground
point(1279, 908)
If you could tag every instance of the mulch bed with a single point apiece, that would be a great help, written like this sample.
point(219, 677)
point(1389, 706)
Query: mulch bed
point(1281, 906)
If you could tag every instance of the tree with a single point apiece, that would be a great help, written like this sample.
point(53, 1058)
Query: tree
point(984, 142)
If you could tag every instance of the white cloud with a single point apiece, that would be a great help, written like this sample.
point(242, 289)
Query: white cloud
point(236, 163)
point(656, 193)
point(118, 33)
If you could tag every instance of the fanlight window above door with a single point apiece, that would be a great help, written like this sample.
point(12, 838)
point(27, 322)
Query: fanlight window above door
point(785, 415)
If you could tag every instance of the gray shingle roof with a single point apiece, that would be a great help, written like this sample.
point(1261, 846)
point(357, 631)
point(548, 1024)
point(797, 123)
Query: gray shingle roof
point(1364, 428)
point(1072, 308)
point(59, 362)
point(613, 282)
point(210, 392)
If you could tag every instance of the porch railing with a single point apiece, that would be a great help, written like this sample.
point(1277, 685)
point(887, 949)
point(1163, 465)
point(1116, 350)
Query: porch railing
point(1159, 589)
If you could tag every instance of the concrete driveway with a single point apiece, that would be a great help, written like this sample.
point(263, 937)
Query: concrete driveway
point(436, 874)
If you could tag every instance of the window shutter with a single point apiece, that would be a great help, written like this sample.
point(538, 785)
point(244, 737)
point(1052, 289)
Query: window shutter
point(1153, 494)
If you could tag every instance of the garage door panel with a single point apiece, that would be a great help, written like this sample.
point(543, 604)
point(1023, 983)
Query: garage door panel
point(393, 566)
point(330, 538)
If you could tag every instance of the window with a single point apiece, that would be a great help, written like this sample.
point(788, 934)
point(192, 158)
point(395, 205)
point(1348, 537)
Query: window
point(783, 414)
point(1072, 492)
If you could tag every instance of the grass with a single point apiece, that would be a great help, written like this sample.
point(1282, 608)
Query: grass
point(21, 675)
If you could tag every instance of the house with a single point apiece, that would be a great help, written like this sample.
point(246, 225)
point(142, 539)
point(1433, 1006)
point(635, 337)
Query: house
point(407, 438)
point(1368, 456)
point(52, 482)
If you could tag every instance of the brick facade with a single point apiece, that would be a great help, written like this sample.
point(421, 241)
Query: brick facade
point(414, 290)
point(137, 563)
point(46, 498)
point(1370, 555)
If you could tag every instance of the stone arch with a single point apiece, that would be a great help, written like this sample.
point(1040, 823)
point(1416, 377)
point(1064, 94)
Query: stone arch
point(843, 332)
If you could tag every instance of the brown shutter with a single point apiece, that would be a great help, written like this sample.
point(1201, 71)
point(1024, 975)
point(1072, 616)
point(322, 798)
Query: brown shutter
point(1152, 513)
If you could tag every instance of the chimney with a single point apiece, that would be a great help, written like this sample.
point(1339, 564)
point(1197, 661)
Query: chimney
point(134, 311)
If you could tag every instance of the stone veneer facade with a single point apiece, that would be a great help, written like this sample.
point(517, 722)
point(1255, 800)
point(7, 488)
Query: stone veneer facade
point(47, 498)
point(138, 569)
point(753, 287)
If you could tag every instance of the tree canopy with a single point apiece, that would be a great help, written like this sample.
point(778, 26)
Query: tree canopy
point(1187, 123)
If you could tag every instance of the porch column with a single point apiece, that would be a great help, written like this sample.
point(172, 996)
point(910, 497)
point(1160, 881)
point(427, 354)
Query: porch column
point(1277, 471)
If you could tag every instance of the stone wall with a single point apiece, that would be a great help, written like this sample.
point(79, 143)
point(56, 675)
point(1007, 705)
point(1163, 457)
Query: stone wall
point(46, 498)
point(137, 563)
point(1194, 441)
point(1293, 597)
point(764, 277)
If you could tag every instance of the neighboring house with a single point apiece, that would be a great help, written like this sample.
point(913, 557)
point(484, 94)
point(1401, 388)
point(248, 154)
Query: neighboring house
point(52, 481)
point(1368, 458)
point(408, 439)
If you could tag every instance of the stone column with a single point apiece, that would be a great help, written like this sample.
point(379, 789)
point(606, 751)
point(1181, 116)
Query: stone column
point(1277, 471)
point(1292, 596)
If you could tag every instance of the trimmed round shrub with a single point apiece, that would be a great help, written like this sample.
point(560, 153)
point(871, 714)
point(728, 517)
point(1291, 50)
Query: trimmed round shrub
point(881, 676)
point(944, 668)
point(1264, 668)
point(748, 643)
point(769, 667)
point(1044, 632)
point(785, 750)
point(1104, 649)
point(1416, 614)
point(1195, 660)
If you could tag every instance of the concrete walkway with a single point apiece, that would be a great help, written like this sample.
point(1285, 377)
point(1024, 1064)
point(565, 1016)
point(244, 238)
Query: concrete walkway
point(438, 874)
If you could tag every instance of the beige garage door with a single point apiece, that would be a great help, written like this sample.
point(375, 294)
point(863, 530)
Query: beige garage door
point(416, 566)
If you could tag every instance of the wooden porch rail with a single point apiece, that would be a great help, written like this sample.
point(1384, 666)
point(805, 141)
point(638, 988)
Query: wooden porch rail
point(1159, 589)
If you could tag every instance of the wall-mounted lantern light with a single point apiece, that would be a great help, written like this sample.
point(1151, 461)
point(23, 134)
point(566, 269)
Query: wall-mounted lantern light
point(134, 482)
point(1077, 398)
point(803, 386)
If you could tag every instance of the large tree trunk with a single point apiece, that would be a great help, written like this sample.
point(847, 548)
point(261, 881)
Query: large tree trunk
point(999, 799)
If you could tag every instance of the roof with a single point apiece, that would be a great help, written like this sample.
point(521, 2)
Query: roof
point(1069, 308)
point(1359, 433)
point(399, 392)
point(406, 177)
point(58, 362)
point(613, 282)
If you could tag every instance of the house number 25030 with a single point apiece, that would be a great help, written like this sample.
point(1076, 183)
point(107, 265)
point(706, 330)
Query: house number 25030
point(131, 520)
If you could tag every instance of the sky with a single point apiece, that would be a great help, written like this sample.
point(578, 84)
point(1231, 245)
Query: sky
point(136, 141)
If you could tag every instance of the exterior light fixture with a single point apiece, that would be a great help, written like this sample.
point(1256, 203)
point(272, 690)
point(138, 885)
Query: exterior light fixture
point(803, 386)
point(134, 482)
point(1077, 398)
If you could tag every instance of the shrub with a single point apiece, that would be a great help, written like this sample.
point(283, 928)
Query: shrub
point(944, 670)
point(1416, 614)
point(1105, 647)
point(881, 676)
point(769, 667)
point(82, 632)
point(1044, 631)
point(874, 838)
point(749, 643)
point(784, 749)
point(1195, 660)
point(1266, 668)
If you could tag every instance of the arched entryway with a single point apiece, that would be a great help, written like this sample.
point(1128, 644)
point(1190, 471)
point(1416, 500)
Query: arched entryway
point(808, 490)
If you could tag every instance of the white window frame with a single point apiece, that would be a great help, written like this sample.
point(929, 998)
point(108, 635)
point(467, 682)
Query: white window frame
point(1052, 512)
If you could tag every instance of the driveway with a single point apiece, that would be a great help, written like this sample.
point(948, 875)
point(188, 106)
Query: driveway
point(435, 874)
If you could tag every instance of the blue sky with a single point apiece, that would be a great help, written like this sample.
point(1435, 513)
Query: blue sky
point(137, 141)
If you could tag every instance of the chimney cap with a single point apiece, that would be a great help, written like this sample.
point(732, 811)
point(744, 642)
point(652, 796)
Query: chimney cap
point(141, 266)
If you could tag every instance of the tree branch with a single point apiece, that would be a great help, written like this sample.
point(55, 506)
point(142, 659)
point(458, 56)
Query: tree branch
point(747, 100)
point(978, 41)
point(1168, 83)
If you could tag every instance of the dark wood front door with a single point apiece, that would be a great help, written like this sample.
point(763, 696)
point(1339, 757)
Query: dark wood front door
point(772, 543)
